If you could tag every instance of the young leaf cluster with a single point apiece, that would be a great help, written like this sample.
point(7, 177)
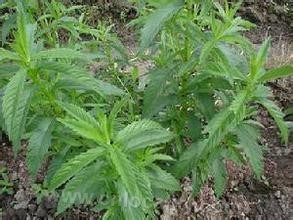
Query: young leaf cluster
point(34, 79)
point(118, 168)
point(206, 85)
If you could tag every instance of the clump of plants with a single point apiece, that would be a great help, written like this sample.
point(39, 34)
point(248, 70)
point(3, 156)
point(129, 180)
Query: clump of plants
point(115, 154)
point(5, 184)
point(207, 86)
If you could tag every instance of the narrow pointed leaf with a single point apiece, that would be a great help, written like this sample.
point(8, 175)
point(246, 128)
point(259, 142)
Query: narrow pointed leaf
point(161, 179)
point(278, 116)
point(84, 129)
point(220, 176)
point(142, 134)
point(156, 20)
point(61, 53)
point(248, 142)
point(263, 53)
point(155, 97)
point(135, 182)
point(14, 107)
point(78, 113)
point(276, 73)
point(73, 166)
point(131, 210)
point(39, 144)
point(84, 188)
point(8, 55)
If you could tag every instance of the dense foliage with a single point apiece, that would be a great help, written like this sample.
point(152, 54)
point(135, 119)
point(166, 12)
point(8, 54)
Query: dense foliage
point(114, 153)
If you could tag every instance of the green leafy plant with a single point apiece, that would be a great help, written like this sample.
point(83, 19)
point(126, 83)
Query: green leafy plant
point(206, 85)
point(6, 187)
point(40, 192)
point(57, 20)
point(37, 79)
point(9, 18)
point(57, 24)
point(118, 169)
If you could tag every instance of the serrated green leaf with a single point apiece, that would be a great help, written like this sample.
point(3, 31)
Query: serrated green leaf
point(73, 166)
point(78, 113)
point(156, 20)
point(60, 67)
point(135, 194)
point(248, 142)
point(7, 70)
point(61, 53)
point(56, 163)
point(206, 104)
point(262, 92)
point(160, 157)
point(161, 179)
point(223, 123)
point(194, 127)
point(8, 55)
point(2, 121)
point(106, 88)
point(83, 123)
point(276, 73)
point(39, 144)
point(218, 128)
point(24, 38)
point(120, 162)
point(238, 104)
point(135, 182)
point(84, 129)
point(188, 159)
point(113, 212)
point(263, 53)
point(219, 173)
point(199, 177)
point(160, 194)
point(113, 114)
point(278, 117)
point(15, 106)
point(260, 58)
point(155, 97)
point(83, 188)
point(75, 78)
point(131, 207)
point(206, 51)
point(143, 134)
